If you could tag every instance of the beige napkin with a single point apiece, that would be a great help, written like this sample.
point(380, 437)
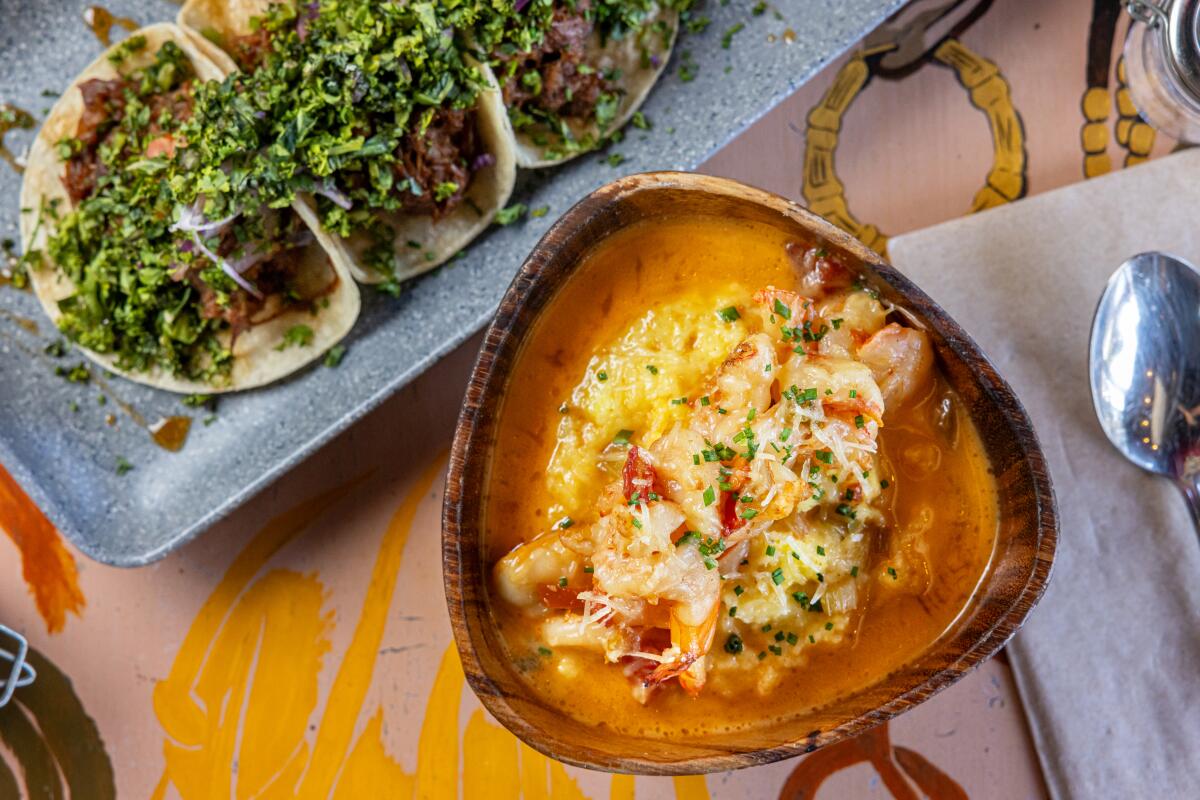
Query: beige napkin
point(1109, 663)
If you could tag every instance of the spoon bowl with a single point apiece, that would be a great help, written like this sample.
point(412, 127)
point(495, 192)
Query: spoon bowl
point(1144, 367)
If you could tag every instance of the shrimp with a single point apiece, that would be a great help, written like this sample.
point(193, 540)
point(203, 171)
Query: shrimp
point(684, 481)
point(846, 387)
point(781, 307)
point(542, 561)
point(694, 612)
point(854, 317)
point(820, 272)
point(741, 384)
point(901, 360)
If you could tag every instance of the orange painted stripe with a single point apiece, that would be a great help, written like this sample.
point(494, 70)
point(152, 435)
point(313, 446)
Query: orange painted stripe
point(48, 569)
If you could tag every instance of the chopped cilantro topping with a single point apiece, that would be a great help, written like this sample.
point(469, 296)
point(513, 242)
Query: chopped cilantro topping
point(510, 214)
point(296, 336)
point(335, 355)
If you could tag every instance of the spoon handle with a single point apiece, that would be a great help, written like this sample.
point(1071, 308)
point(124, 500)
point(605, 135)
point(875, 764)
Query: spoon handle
point(1190, 486)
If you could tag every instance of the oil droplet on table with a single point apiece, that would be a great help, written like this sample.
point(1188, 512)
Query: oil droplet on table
point(101, 22)
point(170, 433)
point(770, 38)
point(13, 118)
point(789, 36)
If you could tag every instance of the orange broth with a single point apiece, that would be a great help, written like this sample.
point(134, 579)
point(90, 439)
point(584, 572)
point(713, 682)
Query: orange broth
point(932, 456)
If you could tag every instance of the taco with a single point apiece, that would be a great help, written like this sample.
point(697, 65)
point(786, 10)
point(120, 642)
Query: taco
point(136, 268)
point(375, 110)
point(572, 73)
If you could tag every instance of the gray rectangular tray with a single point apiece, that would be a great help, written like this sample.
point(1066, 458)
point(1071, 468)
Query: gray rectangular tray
point(67, 459)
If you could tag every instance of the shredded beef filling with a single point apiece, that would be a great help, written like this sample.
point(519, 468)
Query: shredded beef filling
point(251, 50)
point(103, 107)
point(562, 88)
point(274, 277)
point(444, 154)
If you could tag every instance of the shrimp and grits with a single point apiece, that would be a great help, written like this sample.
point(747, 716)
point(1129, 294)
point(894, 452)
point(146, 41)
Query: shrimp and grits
point(729, 485)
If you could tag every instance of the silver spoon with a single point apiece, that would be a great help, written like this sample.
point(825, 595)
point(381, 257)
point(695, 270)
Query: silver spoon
point(1144, 365)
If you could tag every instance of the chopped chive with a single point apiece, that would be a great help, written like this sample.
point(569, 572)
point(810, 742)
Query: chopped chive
point(859, 422)
point(777, 576)
point(562, 582)
point(622, 437)
point(709, 496)
point(729, 314)
point(770, 549)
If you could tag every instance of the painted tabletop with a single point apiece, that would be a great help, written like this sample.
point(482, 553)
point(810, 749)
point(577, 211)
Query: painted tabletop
point(301, 647)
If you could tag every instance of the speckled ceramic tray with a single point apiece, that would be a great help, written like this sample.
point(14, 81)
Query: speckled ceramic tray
point(56, 437)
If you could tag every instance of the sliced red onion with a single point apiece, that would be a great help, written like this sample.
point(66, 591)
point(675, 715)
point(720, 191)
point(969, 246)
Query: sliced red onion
point(520, 5)
point(225, 267)
point(483, 160)
point(247, 261)
point(186, 246)
point(655, 60)
point(329, 189)
point(191, 220)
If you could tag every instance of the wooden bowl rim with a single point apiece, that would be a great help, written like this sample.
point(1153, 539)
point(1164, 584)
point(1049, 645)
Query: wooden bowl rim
point(505, 335)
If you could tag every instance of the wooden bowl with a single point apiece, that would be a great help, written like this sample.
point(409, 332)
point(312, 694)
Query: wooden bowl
point(1014, 582)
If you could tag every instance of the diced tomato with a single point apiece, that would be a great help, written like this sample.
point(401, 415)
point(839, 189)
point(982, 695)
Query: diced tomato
point(730, 521)
point(564, 598)
point(638, 475)
point(162, 146)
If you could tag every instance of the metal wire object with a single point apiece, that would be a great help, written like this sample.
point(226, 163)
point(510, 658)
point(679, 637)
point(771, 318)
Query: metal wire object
point(14, 671)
